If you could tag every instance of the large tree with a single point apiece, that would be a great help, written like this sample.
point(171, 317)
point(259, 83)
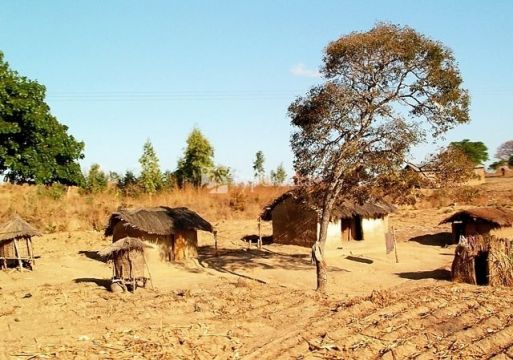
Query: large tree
point(198, 160)
point(476, 151)
point(34, 146)
point(385, 90)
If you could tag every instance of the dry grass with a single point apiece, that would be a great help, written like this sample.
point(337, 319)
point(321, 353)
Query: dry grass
point(54, 209)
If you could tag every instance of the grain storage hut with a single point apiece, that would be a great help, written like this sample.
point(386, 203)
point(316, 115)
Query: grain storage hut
point(127, 256)
point(295, 221)
point(16, 243)
point(173, 229)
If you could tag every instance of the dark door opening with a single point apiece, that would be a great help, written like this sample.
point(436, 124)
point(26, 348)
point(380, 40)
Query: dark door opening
point(481, 267)
point(458, 229)
point(358, 231)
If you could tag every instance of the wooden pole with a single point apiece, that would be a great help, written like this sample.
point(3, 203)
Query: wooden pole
point(148, 268)
point(215, 242)
point(17, 250)
point(259, 233)
point(31, 252)
point(395, 246)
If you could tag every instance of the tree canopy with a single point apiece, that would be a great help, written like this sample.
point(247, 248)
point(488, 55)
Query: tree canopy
point(279, 176)
point(197, 161)
point(385, 90)
point(476, 151)
point(258, 166)
point(505, 151)
point(151, 177)
point(34, 146)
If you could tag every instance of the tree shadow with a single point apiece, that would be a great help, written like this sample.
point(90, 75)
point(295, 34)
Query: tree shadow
point(93, 255)
point(438, 274)
point(232, 260)
point(99, 282)
point(266, 240)
point(441, 239)
point(359, 259)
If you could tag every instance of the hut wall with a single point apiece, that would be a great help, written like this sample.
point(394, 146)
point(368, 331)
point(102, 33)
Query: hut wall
point(479, 177)
point(186, 245)
point(375, 229)
point(334, 238)
point(294, 224)
point(165, 243)
point(7, 249)
point(129, 265)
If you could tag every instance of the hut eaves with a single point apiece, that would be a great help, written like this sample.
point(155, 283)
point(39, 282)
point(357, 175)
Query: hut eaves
point(499, 217)
point(159, 221)
point(17, 228)
point(125, 244)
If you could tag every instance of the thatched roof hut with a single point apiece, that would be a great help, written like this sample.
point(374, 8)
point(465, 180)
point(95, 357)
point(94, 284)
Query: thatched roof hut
point(16, 243)
point(481, 221)
point(295, 220)
point(128, 259)
point(175, 229)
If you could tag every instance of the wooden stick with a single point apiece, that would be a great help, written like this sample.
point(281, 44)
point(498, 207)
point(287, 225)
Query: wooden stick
point(31, 252)
point(215, 242)
point(148, 268)
point(259, 233)
point(395, 246)
point(16, 249)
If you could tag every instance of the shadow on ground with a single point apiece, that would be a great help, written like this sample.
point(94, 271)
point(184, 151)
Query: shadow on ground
point(441, 239)
point(232, 260)
point(438, 274)
point(100, 282)
point(93, 255)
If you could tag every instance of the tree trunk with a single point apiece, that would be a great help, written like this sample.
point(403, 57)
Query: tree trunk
point(319, 246)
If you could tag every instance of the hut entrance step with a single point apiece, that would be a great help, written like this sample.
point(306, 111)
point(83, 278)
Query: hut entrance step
point(481, 268)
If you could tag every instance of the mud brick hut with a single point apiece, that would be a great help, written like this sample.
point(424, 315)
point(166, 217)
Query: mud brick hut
point(129, 262)
point(296, 221)
point(484, 252)
point(175, 230)
point(16, 244)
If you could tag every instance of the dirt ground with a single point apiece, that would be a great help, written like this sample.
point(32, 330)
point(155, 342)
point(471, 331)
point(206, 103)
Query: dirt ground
point(256, 304)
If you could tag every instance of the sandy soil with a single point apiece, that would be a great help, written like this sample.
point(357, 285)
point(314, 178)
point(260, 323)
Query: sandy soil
point(259, 304)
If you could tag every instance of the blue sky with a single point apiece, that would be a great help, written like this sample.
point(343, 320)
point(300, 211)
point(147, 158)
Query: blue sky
point(120, 72)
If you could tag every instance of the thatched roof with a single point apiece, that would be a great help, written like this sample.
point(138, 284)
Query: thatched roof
point(499, 217)
point(17, 228)
point(125, 244)
point(344, 209)
point(159, 221)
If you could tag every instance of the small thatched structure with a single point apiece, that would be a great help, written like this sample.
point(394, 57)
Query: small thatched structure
point(174, 229)
point(295, 220)
point(483, 260)
point(481, 221)
point(16, 243)
point(127, 256)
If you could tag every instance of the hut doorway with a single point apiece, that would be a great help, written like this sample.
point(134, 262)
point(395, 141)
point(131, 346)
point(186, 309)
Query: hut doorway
point(352, 228)
point(458, 230)
point(481, 268)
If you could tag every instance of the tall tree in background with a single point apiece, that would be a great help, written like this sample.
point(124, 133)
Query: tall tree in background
point(197, 161)
point(386, 90)
point(505, 151)
point(151, 176)
point(476, 151)
point(34, 146)
point(279, 176)
point(258, 167)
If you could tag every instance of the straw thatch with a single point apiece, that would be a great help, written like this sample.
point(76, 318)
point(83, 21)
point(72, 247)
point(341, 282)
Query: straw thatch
point(17, 228)
point(342, 210)
point(497, 217)
point(161, 221)
point(125, 244)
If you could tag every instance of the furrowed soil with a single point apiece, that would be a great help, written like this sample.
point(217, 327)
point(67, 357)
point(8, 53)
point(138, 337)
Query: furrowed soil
point(242, 302)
